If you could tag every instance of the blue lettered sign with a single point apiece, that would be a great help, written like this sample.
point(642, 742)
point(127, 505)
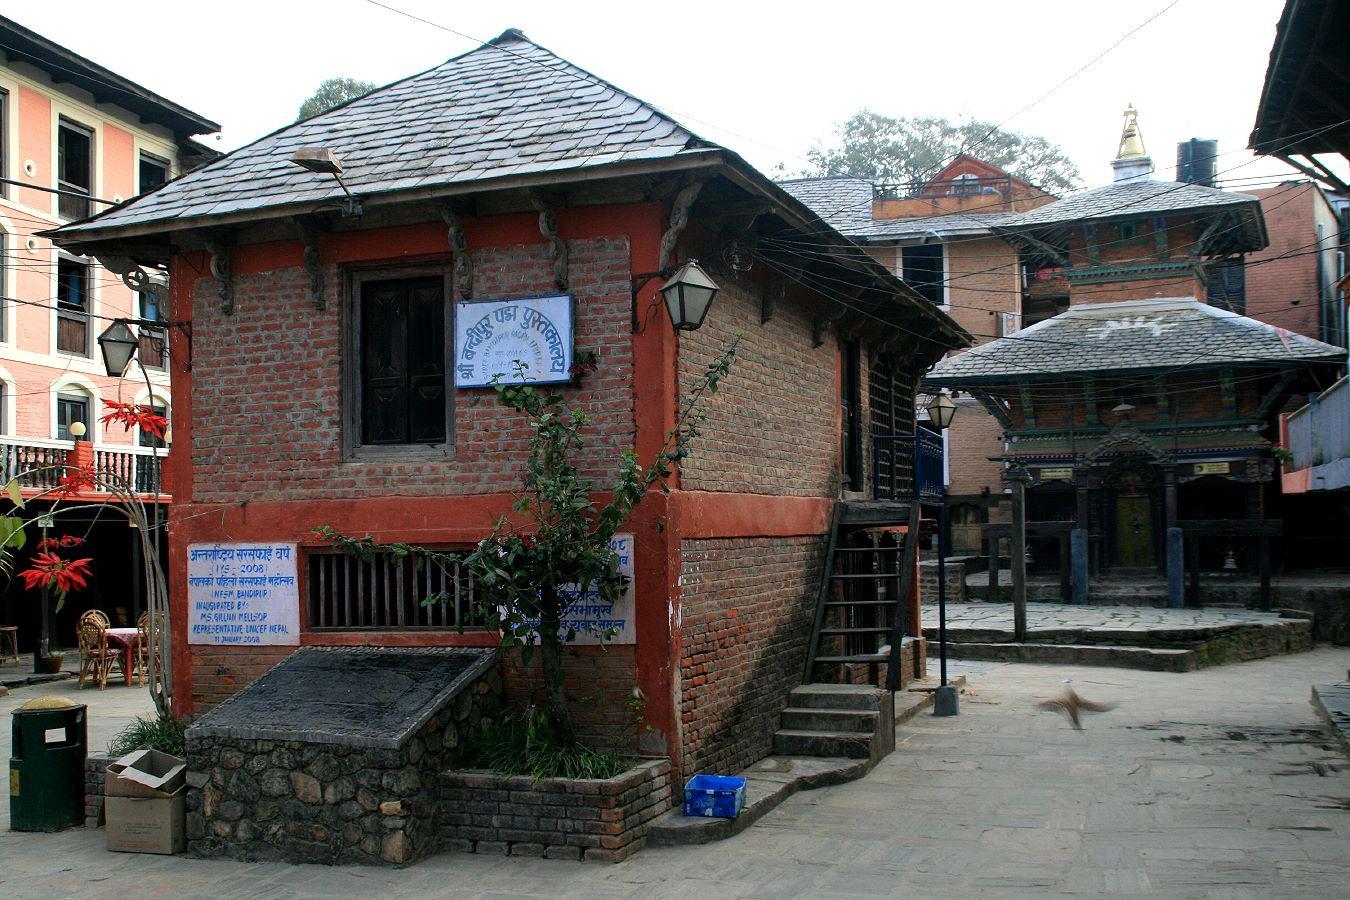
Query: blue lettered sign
point(491, 335)
point(243, 594)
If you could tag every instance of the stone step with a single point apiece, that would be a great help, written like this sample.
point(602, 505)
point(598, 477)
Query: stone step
point(1154, 659)
point(837, 696)
point(806, 719)
point(846, 744)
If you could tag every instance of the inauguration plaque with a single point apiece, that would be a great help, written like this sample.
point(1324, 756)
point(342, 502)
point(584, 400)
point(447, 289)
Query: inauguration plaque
point(243, 594)
point(491, 335)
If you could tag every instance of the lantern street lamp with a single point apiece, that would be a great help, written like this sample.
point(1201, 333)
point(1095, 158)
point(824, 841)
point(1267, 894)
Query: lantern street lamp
point(118, 345)
point(688, 294)
point(941, 410)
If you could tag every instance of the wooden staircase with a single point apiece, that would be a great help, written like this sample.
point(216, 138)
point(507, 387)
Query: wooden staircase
point(863, 604)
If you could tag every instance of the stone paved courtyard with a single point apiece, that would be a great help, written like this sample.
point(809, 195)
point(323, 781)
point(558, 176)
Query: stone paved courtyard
point(1112, 618)
point(1213, 784)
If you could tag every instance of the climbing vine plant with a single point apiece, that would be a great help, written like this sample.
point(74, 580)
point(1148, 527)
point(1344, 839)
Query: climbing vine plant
point(526, 570)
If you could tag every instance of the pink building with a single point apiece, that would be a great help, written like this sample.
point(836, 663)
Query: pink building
point(76, 138)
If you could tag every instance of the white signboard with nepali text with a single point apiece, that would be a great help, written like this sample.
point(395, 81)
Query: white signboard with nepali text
point(492, 335)
point(591, 616)
point(243, 594)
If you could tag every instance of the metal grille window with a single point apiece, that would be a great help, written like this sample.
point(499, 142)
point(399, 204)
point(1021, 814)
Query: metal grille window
point(345, 592)
point(890, 394)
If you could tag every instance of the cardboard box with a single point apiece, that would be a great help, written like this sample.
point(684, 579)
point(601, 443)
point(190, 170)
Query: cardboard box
point(146, 824)
point(144, 803)
point(145, 773)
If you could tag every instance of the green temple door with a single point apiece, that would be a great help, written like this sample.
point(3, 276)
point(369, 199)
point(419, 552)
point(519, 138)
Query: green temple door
point(1134, 532)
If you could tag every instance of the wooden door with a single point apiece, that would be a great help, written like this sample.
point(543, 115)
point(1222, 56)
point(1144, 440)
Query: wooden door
point(1134, 532)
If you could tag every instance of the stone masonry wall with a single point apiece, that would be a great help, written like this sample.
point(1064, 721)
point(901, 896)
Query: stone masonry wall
point(600, 820)
point(748, 605)
point(330, 803)
point(95, 770)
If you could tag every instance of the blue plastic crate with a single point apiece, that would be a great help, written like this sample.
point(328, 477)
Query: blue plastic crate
point(714, 795)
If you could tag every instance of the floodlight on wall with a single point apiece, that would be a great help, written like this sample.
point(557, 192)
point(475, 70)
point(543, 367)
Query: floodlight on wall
point(323, 161)
point(118, 345)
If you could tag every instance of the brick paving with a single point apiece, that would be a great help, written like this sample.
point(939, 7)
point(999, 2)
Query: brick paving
point(1213, 784)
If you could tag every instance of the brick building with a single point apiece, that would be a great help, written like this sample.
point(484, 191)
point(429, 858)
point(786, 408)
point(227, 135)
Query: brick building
point(76, 138)
point(1034, 258)
point(500, 177)
point(1292, 282)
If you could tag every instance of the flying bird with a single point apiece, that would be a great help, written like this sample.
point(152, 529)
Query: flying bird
point(1071, 705)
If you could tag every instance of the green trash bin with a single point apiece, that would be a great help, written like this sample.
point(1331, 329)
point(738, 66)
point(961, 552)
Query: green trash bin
point(46, 765)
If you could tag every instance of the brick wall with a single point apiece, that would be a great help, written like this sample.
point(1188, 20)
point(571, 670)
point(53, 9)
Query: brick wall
point(600, 820)
point(775, 417)
point(1283, 292)
point(983, 280)
point(267, 393)
point(748, 605)
point(600, 682)
point(218, 673)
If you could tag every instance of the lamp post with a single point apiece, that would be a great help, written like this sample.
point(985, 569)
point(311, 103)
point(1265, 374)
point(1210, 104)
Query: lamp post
point(941, 409)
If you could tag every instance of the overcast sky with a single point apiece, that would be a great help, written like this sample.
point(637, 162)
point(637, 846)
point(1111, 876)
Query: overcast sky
point(766, 80)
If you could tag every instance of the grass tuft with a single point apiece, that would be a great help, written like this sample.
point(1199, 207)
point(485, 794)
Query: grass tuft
point(523, 743)
point(167, 735)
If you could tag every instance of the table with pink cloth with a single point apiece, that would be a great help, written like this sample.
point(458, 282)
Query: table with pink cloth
point(127, 640)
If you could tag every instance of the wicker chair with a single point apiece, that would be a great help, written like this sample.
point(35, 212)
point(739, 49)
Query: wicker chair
point(96, 615)
point(96, 660)
point(141, 660)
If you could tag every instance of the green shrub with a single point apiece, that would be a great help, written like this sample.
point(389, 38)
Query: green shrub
point(525, 743)
point(167, 735)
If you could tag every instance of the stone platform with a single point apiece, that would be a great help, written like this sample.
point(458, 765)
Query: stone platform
point(1167, 640)
point(1332, 702)
point(334, 755)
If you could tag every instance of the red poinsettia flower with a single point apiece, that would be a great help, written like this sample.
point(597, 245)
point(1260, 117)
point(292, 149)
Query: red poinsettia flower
point(50, 570)
point(77, 479)
point(56, 543)
point(135, 414)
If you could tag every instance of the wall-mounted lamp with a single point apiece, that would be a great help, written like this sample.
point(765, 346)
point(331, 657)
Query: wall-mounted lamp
point(77, 430)
point(323, 161)
point(118, 345)
point(941, 410)
point(688, 294)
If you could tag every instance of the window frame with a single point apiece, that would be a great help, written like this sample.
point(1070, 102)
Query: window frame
point(152, 338)
point(68, 397)
point(87, 314)
point(67, 124)
point(144, 157)
point(943, 278)
point(355, 278)
point(4, 142)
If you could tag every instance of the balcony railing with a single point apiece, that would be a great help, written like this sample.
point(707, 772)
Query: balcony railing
point(942, 187)
point(1319, 438)
point(907, 466)
point(38, 464)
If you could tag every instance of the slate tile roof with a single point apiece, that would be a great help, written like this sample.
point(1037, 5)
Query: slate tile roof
point(1126, 198)
point(1135, 334)
point(507, 108)
point(842, 202)
point(845, 203)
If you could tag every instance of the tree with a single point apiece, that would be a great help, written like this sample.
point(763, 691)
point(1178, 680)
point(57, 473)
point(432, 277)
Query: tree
point(526, 576)
point(915, 148)
point(331, 93)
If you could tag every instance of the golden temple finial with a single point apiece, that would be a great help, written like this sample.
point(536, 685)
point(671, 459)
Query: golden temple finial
point(1131, 141)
